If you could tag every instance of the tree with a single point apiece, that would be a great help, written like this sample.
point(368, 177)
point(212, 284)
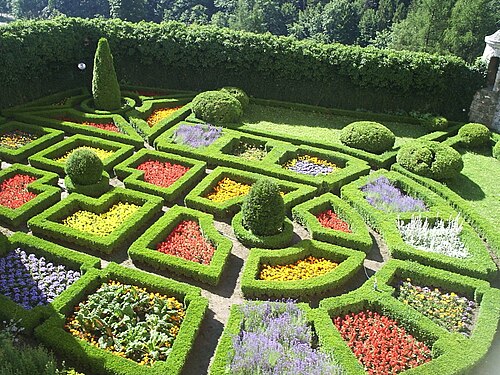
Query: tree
point(130, 10)
point(27, 8)
point(105, 88)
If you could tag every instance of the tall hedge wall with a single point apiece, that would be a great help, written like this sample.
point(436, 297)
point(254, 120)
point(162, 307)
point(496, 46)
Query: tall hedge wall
point(40, 57)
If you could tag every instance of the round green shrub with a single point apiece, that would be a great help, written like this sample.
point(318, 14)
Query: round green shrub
point(368, 136)
point(217, 107)
point(496, 150)
point(474, 135)
point(263, 209)
point(430, 159)
point(238, 94)
point(435, 122)
point(84, 167)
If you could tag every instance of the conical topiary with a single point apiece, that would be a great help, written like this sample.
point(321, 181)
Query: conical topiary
point(105, 88)
point(263, 210)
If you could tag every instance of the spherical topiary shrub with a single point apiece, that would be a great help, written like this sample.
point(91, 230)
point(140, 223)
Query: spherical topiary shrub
point(496, 151)
point(217, 107)
point(263, 210)
point(84, 167)
point(435, 122)
point(474, 135)
point(368, 136)
point(430, 159)
point(238, 94)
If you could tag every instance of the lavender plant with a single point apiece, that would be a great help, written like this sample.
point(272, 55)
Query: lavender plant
point(442, 238)
point(31, 281)
point(310, 165)
point(383, 195)
point(276, 339)
point(199, 135)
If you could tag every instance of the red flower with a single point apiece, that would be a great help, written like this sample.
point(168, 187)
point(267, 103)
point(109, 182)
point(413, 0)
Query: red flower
point(330, 219)
point(14, 191)
point(186, 241)
point(162, 174)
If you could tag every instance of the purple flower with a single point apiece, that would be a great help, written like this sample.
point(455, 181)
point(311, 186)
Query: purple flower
point(199, 135)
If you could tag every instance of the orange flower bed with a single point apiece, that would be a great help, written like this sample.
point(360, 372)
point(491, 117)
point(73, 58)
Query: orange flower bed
point(159, 114)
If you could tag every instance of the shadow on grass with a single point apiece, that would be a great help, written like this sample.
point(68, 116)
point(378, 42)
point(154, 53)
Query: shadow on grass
point(466, 188)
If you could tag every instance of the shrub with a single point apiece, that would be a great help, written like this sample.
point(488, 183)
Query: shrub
point(434, 122)
point(263, 209)
point(474, 135)
point(368, 136)
point(238, 94)
point(84, 167)
point(496, 150)
point(105, 87)
point(430, 159)
point(217, 106)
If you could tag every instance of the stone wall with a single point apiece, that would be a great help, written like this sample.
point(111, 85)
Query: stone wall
point(485, 109)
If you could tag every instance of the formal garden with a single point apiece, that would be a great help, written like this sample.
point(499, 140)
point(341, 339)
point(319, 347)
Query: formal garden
point(148, 230)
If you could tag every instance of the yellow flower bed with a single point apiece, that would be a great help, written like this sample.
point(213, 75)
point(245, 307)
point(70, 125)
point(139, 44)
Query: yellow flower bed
point(300, 270)
point(227, 189)
point(101, 224)
point(102, 154)
point(159, 114)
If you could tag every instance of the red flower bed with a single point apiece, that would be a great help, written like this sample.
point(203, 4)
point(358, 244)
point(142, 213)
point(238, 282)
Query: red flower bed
point(160, 173)
point(381, 346)
point(186, 241)
point(109, 126)
point(330, 219)
point(14, 192)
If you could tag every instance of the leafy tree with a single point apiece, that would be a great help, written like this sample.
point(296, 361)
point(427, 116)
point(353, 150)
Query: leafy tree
point(27, 8)
point(83, 8)
point(105, 88)
point(130, 10)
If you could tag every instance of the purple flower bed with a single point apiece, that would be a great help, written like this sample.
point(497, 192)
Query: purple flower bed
point(383, 195)
point(199, 135)
point(31, 281)
point(310, 165)
point(275, 338)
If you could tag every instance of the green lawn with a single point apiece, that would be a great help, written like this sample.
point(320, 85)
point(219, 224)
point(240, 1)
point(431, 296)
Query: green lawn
point(314, 126)
point(479, 183)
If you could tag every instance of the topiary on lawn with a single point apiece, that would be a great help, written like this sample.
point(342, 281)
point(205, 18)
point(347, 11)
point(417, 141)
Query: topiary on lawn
point(496, 151)
point(474, 135)
point(105, 87)
point(263, 210)
point(430, 159)
point(217, 107)
point(84, 167)
point(238, 94)
point(368, 136)
point(434, 122)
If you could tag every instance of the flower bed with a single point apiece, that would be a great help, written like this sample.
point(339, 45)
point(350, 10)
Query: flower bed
point(101, 224)
point(250, 151)
point(329, 219)
point(199, 135)
point(102, 154)
point(162, 174)
point(153, 319)
point(300, 270)
point(383, 195)
point(449, 310)
point(228, 189)
point(186, 241)
point(33, 281)
point(14, 191)
point(380, 344)
point(310, 165)
point(108, 126)
point(15, 139)
point(159, 114)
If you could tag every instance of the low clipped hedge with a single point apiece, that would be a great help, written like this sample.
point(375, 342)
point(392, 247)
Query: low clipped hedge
point(92, 190)
point(249, 239)
point(45, 159)
point(369, 136)
point(295, 193)
point(82, 354)
point(473, 135)
point(139, 115)
point(87, 264)
point(48, 194)
point(60, 100)
point(349, 262)
point(496, 151)
point(134, 179)
point(46, 138)
point(48, 224)
point(144, 249)
point(305, 214)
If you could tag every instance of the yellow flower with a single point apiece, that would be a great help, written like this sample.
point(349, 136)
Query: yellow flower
point(102, 154)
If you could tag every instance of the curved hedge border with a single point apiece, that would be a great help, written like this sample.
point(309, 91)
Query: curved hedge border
point(138, 116)
point(144, 249)
point(145, 93)
point(349, 262)
point(48, 118)
point(295, 193)
point(134, 178)
point(45, 159)
point(92, 190)
point(46, 138)
point(38, 57)
point(48, 224)
point(81, 353)
point(305, 214)
point(53, 253)
point(48, 194)
point(249, 239)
